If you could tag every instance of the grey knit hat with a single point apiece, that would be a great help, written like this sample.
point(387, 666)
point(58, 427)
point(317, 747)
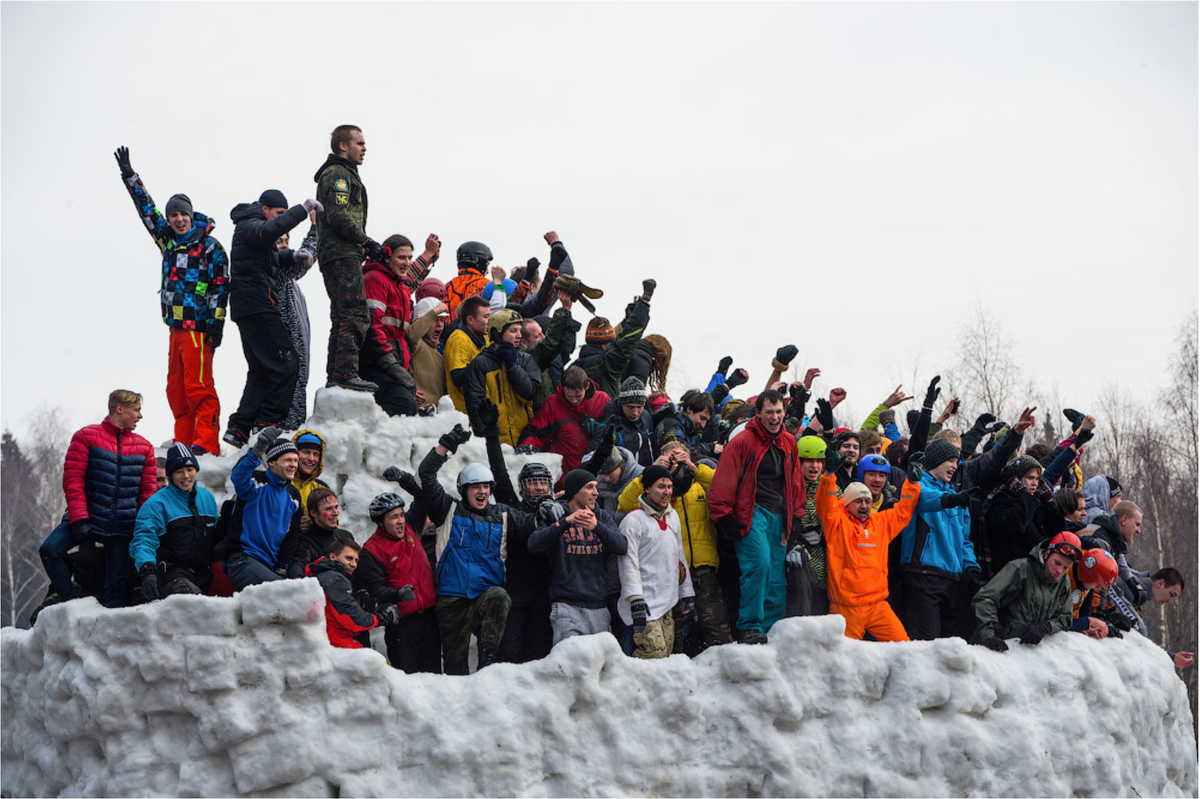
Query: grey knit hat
point(938, 452)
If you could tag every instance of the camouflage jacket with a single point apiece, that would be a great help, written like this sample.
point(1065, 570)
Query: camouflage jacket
point(341, 228)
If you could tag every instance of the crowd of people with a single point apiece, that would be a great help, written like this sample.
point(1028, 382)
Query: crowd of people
point(675, 525)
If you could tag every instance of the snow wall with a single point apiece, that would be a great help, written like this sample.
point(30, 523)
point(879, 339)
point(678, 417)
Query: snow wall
point(204, 696)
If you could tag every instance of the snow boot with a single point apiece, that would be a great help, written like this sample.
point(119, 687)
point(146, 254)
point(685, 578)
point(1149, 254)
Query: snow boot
point(353, 384)
point(754, 637)
point(488, 654)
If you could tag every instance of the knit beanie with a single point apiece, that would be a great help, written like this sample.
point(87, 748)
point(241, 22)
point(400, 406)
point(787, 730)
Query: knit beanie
point(938, 452)
point(599, 332)
point(575, 480)
point(855, 491)
point(653, 474)
point(614, 461)
point(425, 305)
point(281, 448)
point(633, 392)
point(309, 441)
point(179, 202)
point(179, 456)
point(273, 198)
point(1114, 487)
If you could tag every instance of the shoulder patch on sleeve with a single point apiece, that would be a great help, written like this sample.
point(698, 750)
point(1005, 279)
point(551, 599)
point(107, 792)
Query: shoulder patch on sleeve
point(341, 185)
point(341, 198)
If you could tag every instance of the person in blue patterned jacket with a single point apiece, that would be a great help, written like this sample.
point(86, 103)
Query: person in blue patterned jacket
point(194, 295)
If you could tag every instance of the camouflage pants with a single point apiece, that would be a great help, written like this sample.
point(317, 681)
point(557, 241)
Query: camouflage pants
point(711, 616)
point(657, 639)
point(458, 616)
point(348, 316)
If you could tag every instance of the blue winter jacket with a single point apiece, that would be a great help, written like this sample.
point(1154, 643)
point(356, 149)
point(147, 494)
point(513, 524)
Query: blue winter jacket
point(175, 527)
point(268, 510)
point(937, 540)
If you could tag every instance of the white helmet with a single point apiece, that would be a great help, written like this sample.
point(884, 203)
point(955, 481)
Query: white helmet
point(474, 473)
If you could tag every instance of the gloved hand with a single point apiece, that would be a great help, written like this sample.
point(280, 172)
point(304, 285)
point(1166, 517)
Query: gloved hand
point(724, 364)
point(303, 258)
point(549, 511)
point(640, 612)
point(314, 205)
point(531, 270)
point(427, 410)
point(374, 251)
point(488, 414)
point(687, 608)
point(455, 437)
point(1113, 632)
point(795, 558)
point(983, 420)
point(388, 614)
point(798, 393)
point(525, 449)
point(997, 427)
point(508, 353)
point(811, 537)
point(785, 355)
point(266, 440)
point(736, 379)
point(995, 644)
point(1118, 620)
point(648, 286)
point(887, 417)
point(931, 394)
point(974, 577)
point(1138, 590)
point(1074, 417)
point(825, 414)
point(404, 593)
point(81, 531)
point(1043, 493)
point(406, 480)
point(1036, 633)
point(149, 582)
point(215, 335)
point(960, 500)
point(914, 468)
point(1084, 436)
point(833, 458)
point(122, 156)
point(727, 527)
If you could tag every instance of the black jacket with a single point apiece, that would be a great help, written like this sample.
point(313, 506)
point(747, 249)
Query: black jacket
point(637, 437)
point(311, 546)
point(255, 261)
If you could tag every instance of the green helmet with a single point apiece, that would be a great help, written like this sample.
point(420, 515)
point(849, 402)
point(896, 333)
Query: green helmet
point(811, 448)
point(500, 320)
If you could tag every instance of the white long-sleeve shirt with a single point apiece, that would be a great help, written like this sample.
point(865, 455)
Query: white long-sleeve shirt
point(655, 567)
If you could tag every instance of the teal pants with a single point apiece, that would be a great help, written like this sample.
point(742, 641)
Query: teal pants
point(763, 581)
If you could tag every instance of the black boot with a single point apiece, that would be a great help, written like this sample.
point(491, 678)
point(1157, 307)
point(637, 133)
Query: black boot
point(488, 654)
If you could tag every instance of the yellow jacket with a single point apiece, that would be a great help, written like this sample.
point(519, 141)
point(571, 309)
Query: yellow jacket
point(696, 525)
point(459, 351)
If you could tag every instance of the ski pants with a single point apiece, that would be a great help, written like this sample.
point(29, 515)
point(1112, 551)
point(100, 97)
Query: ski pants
point(763, 582)
point(191, 392)
point(350, 320)
point(457, 618)
point(271, 372)
point(878, 619)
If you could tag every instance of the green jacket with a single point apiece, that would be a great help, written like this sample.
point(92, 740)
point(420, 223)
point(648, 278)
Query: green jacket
point(341, 227)
point(1020, 596)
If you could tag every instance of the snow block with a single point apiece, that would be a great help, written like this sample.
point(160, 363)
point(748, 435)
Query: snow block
point(298, 602)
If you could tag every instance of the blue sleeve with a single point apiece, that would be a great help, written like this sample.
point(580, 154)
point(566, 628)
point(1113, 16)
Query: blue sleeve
point(891, 432)
point(968, 549)
point(1059, 466)
point(146, 531)
point(243, 483)
point(930, 500)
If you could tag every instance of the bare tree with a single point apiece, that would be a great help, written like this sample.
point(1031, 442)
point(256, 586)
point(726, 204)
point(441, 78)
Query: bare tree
point(986, 375)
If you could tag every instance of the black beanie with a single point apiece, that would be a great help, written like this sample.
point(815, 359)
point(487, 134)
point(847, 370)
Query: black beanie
point(575, 480)
point(179, 456)
point(1114, 487)
point(653, 474)
point(272, 198)
point(938, 452)
point(179, 202)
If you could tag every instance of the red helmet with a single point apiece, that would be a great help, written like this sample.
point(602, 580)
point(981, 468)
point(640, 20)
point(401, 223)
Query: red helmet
point(1067, 545)
point(431, 287)
point(1098, 566)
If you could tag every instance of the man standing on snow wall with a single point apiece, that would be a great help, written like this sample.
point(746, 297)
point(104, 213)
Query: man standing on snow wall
point(341, 243)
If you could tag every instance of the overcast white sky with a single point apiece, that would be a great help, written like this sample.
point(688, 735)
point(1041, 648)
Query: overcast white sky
point(847, 177)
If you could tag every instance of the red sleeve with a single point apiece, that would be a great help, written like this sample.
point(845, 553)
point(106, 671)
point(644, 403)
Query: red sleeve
point(543, 419)
point(74, 474)
point(722, 494)
point(149, 476)
point(376, 292)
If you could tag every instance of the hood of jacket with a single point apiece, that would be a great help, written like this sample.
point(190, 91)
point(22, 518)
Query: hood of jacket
point(1095, 495)
point(1038, 556)
point(316, 472)
point(246, 211)
point(325, 565)
point(202, 225)
point(375, 266)
point(334, 160)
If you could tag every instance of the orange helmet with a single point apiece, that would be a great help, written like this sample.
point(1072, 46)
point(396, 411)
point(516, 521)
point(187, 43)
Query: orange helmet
point(1067, 545)
point(1098, 566)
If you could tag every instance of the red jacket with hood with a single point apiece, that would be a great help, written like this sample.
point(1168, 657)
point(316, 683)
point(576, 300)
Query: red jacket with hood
point(736, 481)
point(391, 306)
point(558, 426)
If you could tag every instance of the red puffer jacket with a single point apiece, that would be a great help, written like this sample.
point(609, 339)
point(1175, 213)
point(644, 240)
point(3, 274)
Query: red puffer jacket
point(391, 309)
point(561, 427)
point(399, 562)
point(108, 474)
point(735, 483)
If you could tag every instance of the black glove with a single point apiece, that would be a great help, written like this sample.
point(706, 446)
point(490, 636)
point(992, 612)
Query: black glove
point(374, 251)
point(122, 156)
point(1138, 590)
point(983, 420)
point(825, 414)
point(641, 614)
point(785, 354)
point(455, 437)
point(1043, 493)
point(406, 480)
point(727, 527)
point(149, 582)
point(738, 377)
point(931, 394)
point(833, 458)
point(266, 440)
point(1084, 436)
point(687, 608)
point(1113, 632)
point(488, 414)
point(215, 335)
point(428, 410)
point(531, 270)
point(974, 576)
point(960, 500)
point(525, 449)
point(995, 644)
point(914, 468)
point(1074, 417)
point(1119, 621)
point(724, 364)
point(648, 286)
point(798, 392)
point(549, 511)
point(81, 531)
point(508, 353)
point(997, 427)
point(1036, 633)
point(402, 594)
point(388, 614)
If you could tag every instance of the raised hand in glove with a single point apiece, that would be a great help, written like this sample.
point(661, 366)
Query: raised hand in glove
point(995, 644)
point(388, 614)
point(1043, 493)
point(932, 393)
point(784, 357)
point(508, 353)
point(914, 467)
point(1036, 633)
point(406, 480)
point(983, 420)
point(1083, 436)
point(149, 582)
point(314, 205)
point(724, 364)
point(488, 414)
point(122, 156)
point(455, 437)
point(640, 612)
point(738, 377)
point(833, 459)
point(374, 251)
point(648, 286)
point(531, 270)
point(266, 440)
point(825, 414)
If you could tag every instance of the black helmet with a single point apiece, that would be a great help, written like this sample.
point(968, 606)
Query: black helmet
point(533, 471)
point(474, 254)
point(384, 504)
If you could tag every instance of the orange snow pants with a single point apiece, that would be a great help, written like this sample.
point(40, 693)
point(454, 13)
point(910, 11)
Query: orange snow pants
point(191, 392)
point(878, 619)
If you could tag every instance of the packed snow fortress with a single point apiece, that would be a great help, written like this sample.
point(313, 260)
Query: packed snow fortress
point(205, 696)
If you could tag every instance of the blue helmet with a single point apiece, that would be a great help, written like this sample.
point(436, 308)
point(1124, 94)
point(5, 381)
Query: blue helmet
point(873, 463)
